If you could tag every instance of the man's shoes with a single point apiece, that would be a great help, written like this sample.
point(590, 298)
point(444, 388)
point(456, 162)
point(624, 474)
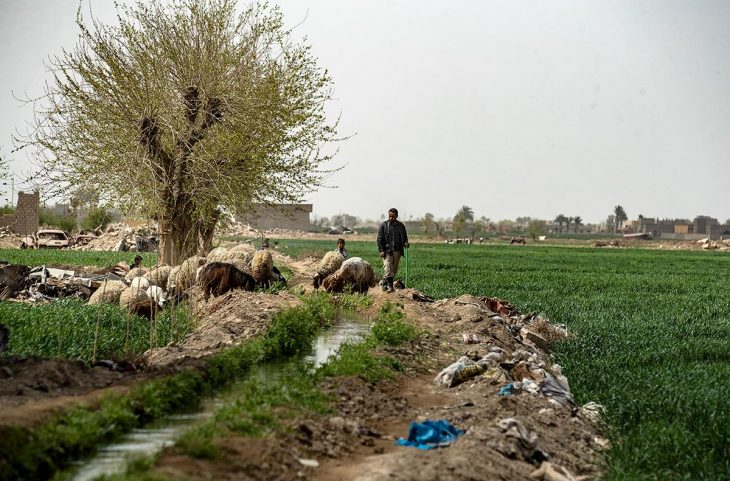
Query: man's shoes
point(389, 288)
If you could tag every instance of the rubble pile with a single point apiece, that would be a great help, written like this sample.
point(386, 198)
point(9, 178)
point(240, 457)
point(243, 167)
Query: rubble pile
point(121, 237)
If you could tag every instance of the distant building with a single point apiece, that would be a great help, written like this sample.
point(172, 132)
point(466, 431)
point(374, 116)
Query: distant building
point(25, 219)
point(702, 226)
point(278, 216)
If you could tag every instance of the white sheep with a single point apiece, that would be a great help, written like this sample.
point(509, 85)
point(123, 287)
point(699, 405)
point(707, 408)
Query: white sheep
point(329, 264)
point(354, 272)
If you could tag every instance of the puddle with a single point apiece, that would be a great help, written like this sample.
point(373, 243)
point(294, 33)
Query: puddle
point(147, 441)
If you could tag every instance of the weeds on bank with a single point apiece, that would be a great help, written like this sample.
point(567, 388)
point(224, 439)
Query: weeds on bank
point(389, 329)
point(258, 409)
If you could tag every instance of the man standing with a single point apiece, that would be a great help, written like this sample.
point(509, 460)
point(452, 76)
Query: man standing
point(392, 239)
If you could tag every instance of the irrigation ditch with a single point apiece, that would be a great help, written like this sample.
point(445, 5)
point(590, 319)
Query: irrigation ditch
point(338, 420)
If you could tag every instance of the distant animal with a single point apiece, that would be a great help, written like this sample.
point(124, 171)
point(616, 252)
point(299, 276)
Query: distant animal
point(517, 240)
point(217, 278)
point(4, 337)
point(355, 273)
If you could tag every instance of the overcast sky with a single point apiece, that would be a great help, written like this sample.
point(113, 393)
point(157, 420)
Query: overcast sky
point(514, 108)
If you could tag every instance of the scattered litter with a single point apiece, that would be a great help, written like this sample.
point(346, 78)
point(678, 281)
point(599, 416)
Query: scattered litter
point(556, 392)
point(417, 296)
point(552, 472)
point(471, 338)
point(593, 411)
point(460, 371)
point(528, 443)
point(430, 434)
point(507, 390)
point(310, 463)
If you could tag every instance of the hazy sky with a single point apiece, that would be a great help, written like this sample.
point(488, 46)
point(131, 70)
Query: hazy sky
point(515, 108)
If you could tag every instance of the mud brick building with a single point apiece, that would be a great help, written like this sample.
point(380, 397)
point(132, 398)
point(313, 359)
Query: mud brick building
point(25, 219)
point(278, 216)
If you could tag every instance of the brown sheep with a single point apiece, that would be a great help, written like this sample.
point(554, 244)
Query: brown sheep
point(354, 272)
point(220, 277)
point(262, 267)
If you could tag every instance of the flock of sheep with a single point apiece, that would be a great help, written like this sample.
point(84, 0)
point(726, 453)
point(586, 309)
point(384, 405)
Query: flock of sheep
point(145, 291)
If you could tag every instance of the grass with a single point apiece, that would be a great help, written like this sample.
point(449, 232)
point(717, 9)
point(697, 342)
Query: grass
point(653, 340)
point(70, 257)
point(66, 328)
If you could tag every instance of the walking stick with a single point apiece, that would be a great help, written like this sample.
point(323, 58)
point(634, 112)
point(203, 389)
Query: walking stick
point(405, 283)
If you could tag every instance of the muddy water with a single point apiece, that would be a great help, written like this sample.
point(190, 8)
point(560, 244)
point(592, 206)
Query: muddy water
point(151, 439)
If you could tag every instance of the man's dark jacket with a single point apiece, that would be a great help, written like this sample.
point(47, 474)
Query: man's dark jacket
point(391, 237)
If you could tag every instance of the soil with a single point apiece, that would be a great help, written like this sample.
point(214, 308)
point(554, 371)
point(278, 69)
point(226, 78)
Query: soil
point(357, 440)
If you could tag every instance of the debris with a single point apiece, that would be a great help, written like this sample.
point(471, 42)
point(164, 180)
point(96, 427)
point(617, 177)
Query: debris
point(557, 392)
point(507, 390)
point(593, 411)
point(417, 296)
point(430, 434)
point(471, 338)
point(460, 371)
point(552, 472)
point(528, 444)
point(310, 463)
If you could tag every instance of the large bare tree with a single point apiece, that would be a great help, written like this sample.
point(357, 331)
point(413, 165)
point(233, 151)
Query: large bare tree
point(183, 107)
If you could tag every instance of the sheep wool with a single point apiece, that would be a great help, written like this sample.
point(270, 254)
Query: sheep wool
point(328, 265)
point(135, 300)
point(159, 275)
point(171, 278)
point(108, 292)
point(354, 272)
point(185, 277)
point(136, 272)
point(262, 266)
point(140, 283)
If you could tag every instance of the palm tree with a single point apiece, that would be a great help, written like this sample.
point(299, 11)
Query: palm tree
point(466, 212)
point(577, 222)
point(560, 219)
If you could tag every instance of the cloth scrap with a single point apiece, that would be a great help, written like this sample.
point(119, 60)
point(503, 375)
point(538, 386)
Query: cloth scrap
point(430, 434)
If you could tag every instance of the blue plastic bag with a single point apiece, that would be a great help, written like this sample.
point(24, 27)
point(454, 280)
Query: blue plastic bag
point(430, 434)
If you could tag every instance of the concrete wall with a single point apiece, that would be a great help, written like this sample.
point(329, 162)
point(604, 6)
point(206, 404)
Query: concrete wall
point(279, 216)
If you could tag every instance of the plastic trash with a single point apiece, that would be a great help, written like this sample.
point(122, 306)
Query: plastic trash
point(507, 390)
point(430, 434)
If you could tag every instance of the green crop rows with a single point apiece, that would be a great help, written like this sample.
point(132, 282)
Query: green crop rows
point(68, 257)
point(652, 345)
point(653, 340)
point(67, 328)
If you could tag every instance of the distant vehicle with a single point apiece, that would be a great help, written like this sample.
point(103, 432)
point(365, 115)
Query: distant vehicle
point(639, 235)
point(84, 238)
point(45, 238)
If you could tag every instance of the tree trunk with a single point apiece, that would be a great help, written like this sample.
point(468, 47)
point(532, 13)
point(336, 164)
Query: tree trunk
point(205, 230)
point(178, 238)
